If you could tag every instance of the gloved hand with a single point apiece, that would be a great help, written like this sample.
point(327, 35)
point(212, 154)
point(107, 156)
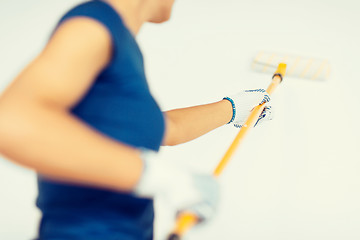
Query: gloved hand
point(244, 102)
point(185, 191)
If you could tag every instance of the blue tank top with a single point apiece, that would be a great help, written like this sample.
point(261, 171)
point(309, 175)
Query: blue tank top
point(119, 105)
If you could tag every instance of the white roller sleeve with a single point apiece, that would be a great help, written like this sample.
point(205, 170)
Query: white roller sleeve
point(297, 66)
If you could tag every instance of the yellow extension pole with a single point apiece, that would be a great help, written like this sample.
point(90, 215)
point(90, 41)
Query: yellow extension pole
point(186, 220)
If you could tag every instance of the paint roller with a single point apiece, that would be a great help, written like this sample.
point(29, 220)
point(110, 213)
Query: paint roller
point(187, 220)
point(297, 66)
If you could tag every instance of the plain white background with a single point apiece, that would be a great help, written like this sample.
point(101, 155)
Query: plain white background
point(296, 177)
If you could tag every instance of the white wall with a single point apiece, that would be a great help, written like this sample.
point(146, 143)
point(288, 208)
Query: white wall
point(293, 178)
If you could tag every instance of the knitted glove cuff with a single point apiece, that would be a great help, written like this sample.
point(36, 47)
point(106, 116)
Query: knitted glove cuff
point(233, 107)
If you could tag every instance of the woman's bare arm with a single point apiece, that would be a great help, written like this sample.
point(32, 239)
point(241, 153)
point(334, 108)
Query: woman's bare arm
point(36, 128)
point(186, 124)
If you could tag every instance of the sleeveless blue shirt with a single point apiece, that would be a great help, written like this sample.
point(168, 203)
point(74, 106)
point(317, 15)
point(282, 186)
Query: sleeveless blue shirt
point(119, 105)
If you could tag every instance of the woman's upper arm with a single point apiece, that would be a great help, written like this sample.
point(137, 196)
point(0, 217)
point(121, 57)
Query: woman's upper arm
point(77, 52)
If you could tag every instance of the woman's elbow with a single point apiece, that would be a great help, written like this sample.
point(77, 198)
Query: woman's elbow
point(171, 137)
point(169, 142)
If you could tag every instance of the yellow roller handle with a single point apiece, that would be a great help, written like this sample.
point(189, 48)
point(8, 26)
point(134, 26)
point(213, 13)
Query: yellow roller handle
point(251, 120)
point(186, 221)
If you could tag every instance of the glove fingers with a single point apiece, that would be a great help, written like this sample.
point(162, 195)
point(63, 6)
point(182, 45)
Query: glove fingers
point(267, 114)
point(208, 188)
point(266, 98)
point(203, 211)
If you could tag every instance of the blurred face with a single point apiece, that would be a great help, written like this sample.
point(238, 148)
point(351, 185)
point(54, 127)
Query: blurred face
point(160, 10)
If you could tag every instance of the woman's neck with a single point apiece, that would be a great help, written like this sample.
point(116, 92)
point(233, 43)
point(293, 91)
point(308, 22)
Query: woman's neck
point(132, 13)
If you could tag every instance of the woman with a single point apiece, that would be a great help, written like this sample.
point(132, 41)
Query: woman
point(82, 116)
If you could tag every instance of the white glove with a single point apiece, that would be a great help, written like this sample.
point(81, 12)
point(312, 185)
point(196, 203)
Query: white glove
point(245, 101)
point(185, 191)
